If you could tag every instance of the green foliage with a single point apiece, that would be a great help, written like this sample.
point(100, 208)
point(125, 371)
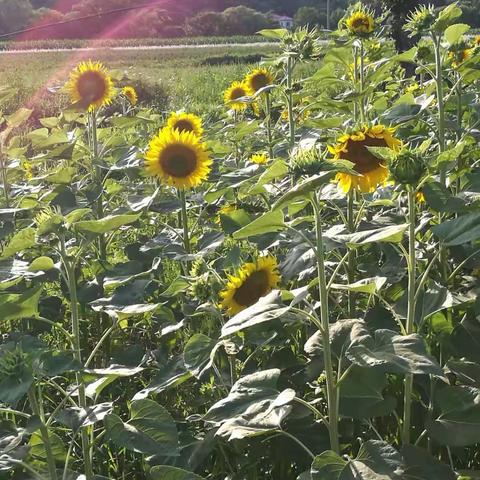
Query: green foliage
point(314, 316)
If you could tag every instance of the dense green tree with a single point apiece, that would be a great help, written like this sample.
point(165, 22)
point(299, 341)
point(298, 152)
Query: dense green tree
point(205, 23)
point(14, 15)
point(310, 16)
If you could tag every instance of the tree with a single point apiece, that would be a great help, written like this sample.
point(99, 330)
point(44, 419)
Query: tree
point(242, 20)
point(309, 16)
point(205, 23)
point(14, 15)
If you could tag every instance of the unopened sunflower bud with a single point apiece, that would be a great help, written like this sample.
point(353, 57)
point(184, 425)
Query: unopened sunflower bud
point(407, 168)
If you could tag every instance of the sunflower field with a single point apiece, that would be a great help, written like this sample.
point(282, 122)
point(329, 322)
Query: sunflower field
point(285, 287)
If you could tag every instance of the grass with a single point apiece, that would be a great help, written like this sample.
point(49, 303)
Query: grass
point(191, 78)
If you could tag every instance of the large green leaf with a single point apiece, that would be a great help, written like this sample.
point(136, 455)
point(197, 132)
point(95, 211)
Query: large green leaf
point(395, 353)
point(361, 394)
point(459, 422)
point(460, 230)
point(246, 392)
point(198, 353)
point(303, 189)
point(150, 430)
point(104, 225)
point(22, 240)
point(266, 309)
point(269, 222)
point(14, 306)
point(375, 461)
point(37, 446)
point(390, 234)
point(455, 32)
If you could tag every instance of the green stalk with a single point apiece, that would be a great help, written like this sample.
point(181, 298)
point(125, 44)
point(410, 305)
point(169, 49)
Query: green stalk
point(186, 235)
point(325, 321)
point(291, 120)
point(82, 398)
point(99, 181)
point(411, 264)
point(3, 168)
point(362, 82)
point(441, 106)
point(38, 411)
point(459, 130)
point(437, 41)
point(351, 252)
point(268, 108)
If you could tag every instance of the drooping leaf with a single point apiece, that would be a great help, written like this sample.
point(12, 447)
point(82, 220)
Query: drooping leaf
point(150, 430)
point(105, 225)
point(269, 222)
point(22, 240)
point(395, 353)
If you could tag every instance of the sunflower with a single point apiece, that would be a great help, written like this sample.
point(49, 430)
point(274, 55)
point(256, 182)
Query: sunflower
point(258, 79)
point(90, 86)
point(253, 281)
point(360, 23)
point(130, 94)
point(185, 122)
point(225, 210)
point(457, 57)
point(353, 147)
point(179, 159)
point(235, 91)
point(259, 158)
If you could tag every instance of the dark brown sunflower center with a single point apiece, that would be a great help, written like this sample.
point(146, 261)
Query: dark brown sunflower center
point(91, 86)
point(358, 153)
point(237, 93)
point(259, 81)
point(178, 161)
point(254, 287)
point(360, 22)
point(183, 126)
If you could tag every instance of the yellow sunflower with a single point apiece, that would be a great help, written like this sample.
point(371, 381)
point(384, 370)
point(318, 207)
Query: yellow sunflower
point(353, 147)
point(90, 85)
point(258, 79)
point(130, 94)
point(179, 159)
point(459, 56)
point(185, 122)
point(253, 281)
point(259, 158)
point(360, 23)
point(232, 95)
point(225, 210)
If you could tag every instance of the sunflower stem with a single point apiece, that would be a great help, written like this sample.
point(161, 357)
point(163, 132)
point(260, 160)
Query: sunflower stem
point(38, 411)
point(291, 120)
point(77, 351)
point(325, 321)
point(3, 168)
point(186, 235)
point(437, 41)
point(407, 412)
point(268, 102)
point(458, 90)
point(362, 81)
point(100, 213)
point(351, 251)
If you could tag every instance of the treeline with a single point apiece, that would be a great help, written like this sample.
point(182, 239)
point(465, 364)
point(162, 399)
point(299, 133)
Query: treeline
point(181, 17)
